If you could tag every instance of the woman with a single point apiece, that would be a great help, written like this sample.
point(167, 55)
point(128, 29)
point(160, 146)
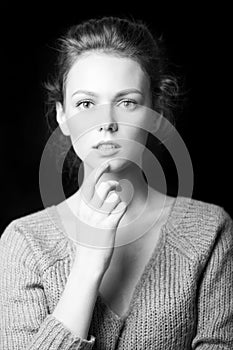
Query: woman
point(96, 276)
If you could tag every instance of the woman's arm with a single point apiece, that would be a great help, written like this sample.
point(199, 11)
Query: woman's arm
point(75, 307)
point(215, 296)
point(24, 320)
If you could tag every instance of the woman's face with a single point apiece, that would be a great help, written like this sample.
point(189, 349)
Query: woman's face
point(96, 85)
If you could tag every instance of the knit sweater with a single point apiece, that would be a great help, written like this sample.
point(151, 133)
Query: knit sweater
point(183, 299)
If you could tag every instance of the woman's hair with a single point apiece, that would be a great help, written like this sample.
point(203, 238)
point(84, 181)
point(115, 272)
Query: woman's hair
point(116, 36)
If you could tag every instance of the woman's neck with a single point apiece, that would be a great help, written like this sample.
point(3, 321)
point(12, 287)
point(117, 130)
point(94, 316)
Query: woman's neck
point(134, 188)
point(134, 191)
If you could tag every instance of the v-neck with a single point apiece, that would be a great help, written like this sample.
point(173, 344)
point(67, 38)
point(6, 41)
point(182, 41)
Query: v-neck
point(142, 279)
point(144, 275)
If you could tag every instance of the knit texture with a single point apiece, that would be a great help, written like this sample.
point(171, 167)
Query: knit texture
point(183, 299)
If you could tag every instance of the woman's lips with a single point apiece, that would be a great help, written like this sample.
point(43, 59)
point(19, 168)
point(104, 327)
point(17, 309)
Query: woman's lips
point(107, 143)
point(107, 149)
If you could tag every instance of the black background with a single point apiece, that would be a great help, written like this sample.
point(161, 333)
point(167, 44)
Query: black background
point(198, 42)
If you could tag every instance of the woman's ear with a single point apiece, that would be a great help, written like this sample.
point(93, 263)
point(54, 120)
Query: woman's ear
point(61, 119)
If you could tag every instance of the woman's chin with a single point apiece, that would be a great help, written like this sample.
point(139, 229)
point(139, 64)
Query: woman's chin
point(118, 165)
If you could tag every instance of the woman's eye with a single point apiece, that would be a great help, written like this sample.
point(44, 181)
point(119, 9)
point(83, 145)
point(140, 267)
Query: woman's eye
point(84, 104)
point(128, 104)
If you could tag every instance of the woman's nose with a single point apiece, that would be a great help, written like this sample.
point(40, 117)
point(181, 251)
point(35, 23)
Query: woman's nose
point(109, 126)
point(108, 119)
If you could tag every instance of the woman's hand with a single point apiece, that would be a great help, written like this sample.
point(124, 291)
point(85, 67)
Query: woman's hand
point(99, 214)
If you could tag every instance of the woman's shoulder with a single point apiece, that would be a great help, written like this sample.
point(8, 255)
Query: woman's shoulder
point(200, 210)
point(196, 226)
point(38, 232)
point(40, 223)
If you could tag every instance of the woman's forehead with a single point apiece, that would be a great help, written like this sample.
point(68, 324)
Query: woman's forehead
point(105, 72)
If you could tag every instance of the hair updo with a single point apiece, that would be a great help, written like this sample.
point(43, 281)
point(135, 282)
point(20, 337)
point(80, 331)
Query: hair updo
point(117, 36)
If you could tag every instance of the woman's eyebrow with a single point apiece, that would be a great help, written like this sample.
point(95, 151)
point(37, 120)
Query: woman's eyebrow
point(118, 94)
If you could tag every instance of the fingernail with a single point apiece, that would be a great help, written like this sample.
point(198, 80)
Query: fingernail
point(118, 187)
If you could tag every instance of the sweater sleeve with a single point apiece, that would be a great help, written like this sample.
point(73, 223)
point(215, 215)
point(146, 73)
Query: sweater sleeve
point(25, 323)
point(215, 297)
